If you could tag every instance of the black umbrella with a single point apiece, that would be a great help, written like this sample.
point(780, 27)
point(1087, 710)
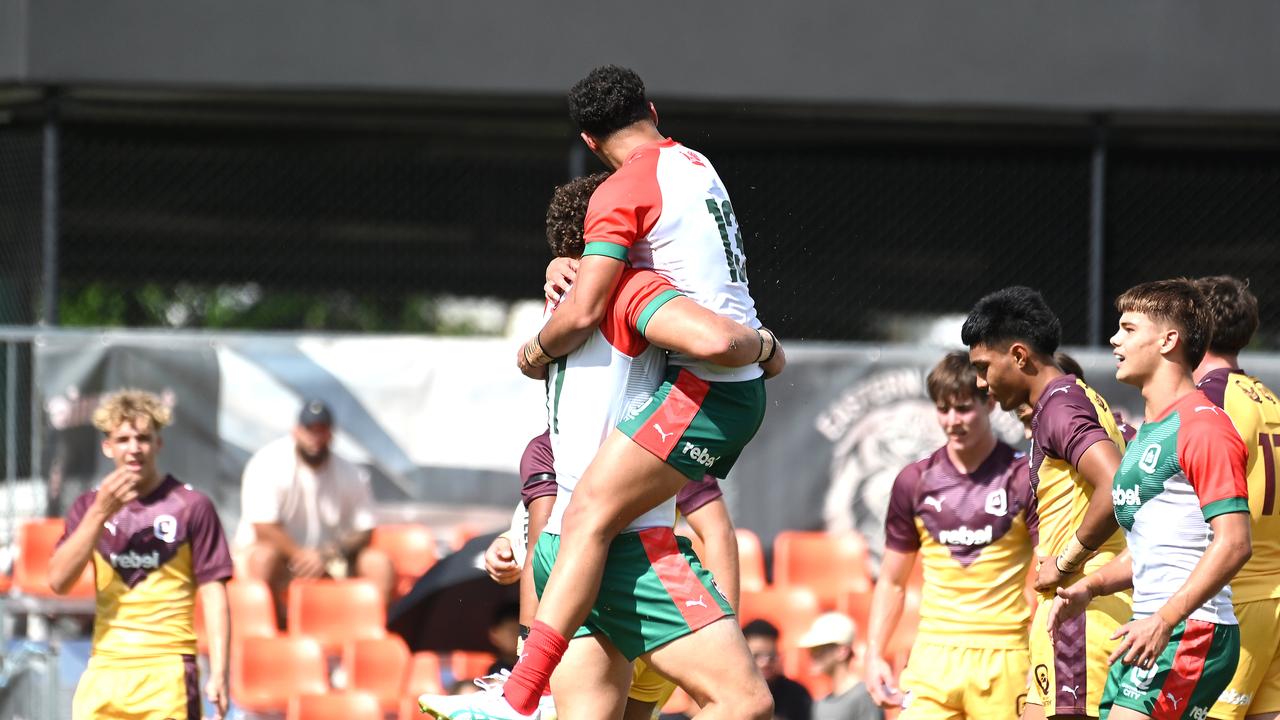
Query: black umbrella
point(453, 603)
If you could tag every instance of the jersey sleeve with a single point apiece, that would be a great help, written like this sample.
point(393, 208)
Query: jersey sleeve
point(1021, 487)
point(1214, 387)
point(76, 513)
point(537, 470)
point(210, 559)
point(1068, 426)
point(900, 521)
point(1213, 456)
point(640, 294)
point(697, 494)
point(624, 208)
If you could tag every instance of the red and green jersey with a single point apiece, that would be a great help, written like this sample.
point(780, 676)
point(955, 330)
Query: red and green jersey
point(1182, 470)
point(590, 389)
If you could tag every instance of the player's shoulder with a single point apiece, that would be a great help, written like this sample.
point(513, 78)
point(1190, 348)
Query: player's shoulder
point(913, 474)
point(1197, 413)
point(83, 501)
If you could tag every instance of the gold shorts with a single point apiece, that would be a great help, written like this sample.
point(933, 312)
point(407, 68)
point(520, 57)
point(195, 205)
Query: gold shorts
point(946, 682)
point(1255, 688)
point(154, 688)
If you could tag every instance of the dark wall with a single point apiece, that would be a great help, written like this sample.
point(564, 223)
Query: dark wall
point(1085, 55)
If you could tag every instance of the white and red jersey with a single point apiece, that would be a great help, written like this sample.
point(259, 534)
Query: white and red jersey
point(590, 389)
point(666, 209)
point(1181, 471)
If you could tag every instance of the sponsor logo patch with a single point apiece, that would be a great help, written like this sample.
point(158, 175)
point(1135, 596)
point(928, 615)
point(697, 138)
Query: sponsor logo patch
point(135, 561)
point(964, 536)
point(699, 455)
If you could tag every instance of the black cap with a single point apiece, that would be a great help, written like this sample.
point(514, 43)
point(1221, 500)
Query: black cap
point(315, 412)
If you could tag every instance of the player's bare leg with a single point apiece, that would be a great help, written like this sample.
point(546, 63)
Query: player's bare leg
point(591, 681)
point(1264, 716)
point(623, 482)
point(1124, 713)
point(715, 667)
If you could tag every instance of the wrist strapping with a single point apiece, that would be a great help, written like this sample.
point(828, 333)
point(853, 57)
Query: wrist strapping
point(768, 345)
point(534, 354)
point(1073, 556)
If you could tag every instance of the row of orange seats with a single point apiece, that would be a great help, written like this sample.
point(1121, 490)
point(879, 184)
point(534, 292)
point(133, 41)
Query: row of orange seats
point(413, 549)
point(274, 674)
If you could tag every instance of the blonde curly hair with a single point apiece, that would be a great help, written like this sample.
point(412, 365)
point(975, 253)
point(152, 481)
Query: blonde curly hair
point(130, 404)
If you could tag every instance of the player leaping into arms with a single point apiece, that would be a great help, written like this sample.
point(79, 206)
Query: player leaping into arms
point(656, 597)
point(1181, 497)
point(664, 208)
point(1254, 691)
point(1075, 450)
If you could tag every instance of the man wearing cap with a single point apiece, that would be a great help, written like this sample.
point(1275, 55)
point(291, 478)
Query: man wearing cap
point(306, 512)
point(830, 644)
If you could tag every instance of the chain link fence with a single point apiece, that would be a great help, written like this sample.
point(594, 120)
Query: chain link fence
point(284, 224)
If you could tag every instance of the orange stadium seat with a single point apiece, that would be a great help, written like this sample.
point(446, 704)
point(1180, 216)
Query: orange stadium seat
point(335, 706)
point(36, 541)
point(412, 549)
point(750, 561)
point(253, 611)
point(751, 575)
point(790, 609)
point(465, 664)
point(378, 666)
point(424, 675)
point(827, 563)
point(267, 672)
point(335, 612)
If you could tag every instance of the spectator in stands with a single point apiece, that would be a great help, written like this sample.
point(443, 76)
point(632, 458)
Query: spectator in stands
point(830, 644)
point(155, 543)
point(791, 701)
point(504, 635)
point(306, 512)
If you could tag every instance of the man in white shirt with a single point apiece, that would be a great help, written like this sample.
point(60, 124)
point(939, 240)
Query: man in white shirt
point(307, 513)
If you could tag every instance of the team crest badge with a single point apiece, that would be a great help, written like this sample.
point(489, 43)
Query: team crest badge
point(998, 503)
point(166, 528)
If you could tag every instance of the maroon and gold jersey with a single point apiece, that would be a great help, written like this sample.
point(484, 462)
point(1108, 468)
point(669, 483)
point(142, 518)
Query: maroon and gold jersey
point(1255, 412)
point(148, 562)
point(1069, 418)
point(974, 533)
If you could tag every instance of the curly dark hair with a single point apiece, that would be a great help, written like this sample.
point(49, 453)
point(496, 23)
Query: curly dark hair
point(1014, 314)
point(1177, 301)
point(607, 100)
point(1234, 309)
point(567, 213)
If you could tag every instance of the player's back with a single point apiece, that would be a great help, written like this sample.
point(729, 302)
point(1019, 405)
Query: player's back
point(685, 229)
point(592, 388)
point(1069, 418)
point(974, 542)
point(148, 567)
point(1255, 412)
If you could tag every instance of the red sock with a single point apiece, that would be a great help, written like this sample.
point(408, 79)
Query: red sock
point(530, 677)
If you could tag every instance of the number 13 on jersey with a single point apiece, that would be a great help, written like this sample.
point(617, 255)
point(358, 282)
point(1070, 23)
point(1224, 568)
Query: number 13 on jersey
point(722, 211)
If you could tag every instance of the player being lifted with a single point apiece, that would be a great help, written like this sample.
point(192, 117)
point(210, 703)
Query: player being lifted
point(1180, 496)
point(655, 594)
point(1254, 692)
point(664, 208)
point(154, 543)
point(966, 511)
point(1075, 450)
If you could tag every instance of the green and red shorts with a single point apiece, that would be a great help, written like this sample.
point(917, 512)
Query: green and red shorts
point(654, 590)
point(698, 427)
point(1187, 677)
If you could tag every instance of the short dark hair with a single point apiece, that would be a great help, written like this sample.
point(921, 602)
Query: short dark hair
point(953, 376)
point(1068, 365)
point(608, 99)
point(1014, 314)
point(1177, 301)
point(1234, 309)
point(760, 628)
point(567, 212)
